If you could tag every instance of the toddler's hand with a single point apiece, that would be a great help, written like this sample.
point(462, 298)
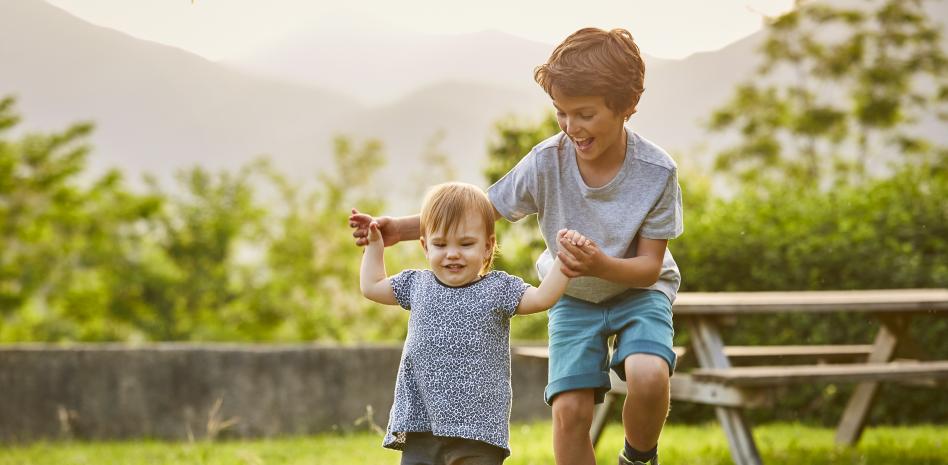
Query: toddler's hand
point(374, 233)
point(579, 255)
point(573, 237)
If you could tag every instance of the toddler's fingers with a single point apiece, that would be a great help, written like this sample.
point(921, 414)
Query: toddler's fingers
point(374, 233)
point(582, 241)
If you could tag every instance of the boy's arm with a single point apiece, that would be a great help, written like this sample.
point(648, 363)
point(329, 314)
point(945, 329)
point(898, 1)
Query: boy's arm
point(641, 271)
point(394, 230)
point(372, 279)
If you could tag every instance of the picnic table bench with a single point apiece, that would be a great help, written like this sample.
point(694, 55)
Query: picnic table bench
point(731, 389)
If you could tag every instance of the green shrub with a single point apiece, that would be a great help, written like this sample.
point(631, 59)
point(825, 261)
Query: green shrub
point(883, 234)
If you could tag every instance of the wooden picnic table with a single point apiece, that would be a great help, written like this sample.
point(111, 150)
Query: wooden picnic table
point(731, 389)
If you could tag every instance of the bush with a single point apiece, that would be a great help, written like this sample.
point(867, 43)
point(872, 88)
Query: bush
point(889, 233)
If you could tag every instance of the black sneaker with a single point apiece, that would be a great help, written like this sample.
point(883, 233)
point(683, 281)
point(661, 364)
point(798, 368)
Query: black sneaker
point(624, 461)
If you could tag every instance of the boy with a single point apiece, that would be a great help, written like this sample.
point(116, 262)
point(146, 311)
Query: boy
point(621, 191)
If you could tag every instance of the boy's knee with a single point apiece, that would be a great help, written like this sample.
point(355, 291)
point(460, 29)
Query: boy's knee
point(574, 408)
point(647, 374)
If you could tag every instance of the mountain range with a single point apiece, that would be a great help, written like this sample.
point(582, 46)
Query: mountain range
point(158, 109)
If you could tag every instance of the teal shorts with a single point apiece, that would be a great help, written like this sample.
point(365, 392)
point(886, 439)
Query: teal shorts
point(579, 331)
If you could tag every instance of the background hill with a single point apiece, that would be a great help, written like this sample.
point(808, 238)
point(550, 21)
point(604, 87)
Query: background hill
point(158, 108)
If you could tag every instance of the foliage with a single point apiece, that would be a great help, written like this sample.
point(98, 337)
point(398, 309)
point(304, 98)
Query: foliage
point(838, 92)
point(520, 242)
point(883, 234)
point(888, 233)
point(67, 247)
point(206, 260)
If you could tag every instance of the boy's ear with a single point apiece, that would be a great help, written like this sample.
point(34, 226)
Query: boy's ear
point(424, 245)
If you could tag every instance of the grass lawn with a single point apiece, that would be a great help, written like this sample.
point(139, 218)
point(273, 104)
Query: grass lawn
point(531, 444)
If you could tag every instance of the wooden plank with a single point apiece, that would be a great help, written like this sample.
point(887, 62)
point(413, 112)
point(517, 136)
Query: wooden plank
point(600, 418)
point(708, 345)
point(532, 351)
point(814, 351)
point(862, 301)
point(795, 374)
point(709, 348)
point(853, 421)
point(685, 388)
point(739, 437)
point(826, 352)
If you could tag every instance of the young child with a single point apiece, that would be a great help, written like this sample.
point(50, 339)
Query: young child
point(621, 191)
point(452, 393)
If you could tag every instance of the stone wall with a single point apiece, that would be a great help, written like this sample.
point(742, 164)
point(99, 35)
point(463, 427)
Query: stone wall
point(169, 390)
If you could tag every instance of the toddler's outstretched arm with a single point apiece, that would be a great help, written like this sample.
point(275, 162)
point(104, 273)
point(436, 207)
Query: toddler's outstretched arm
point(373, 281)
point(538, 299)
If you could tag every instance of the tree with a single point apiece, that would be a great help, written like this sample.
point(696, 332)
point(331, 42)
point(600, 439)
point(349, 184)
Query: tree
point(520, 243)
point(66, 244)
point(312, 261)
point(87, 260)
point(859, 81)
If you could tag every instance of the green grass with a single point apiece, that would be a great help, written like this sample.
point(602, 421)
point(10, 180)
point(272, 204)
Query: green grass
point(531, 443)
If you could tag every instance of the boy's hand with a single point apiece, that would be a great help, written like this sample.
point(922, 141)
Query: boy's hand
point(580, 255)
point(360, 223)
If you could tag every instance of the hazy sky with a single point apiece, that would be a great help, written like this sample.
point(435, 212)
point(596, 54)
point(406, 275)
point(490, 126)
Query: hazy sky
point(221, 29)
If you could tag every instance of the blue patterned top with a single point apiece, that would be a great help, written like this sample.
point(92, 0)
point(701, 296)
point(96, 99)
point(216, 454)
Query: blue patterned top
point(454, 375)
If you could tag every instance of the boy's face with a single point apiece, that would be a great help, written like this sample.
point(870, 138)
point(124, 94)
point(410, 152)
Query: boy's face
point(595, 130)
point(456, 257)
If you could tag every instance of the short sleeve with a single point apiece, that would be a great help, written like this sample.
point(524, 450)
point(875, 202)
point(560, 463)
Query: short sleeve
point(515, 194)
point(509, 292)
point(402, 285)
point(665, 221)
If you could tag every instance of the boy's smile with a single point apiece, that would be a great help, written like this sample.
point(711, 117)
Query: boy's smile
point(596, 130)
point(457, 256)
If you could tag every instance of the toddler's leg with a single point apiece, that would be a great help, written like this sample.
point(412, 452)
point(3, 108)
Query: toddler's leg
point(572, 418)
point(420, 449)
point(459, 451)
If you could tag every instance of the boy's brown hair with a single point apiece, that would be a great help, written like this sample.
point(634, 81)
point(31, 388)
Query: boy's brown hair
point(447, 204)
point(594, 62)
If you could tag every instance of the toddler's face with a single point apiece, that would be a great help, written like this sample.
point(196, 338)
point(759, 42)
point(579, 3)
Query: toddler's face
point(456, 257)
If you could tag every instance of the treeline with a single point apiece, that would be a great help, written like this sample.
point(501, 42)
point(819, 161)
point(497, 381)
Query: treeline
point(250, 256)
point(209, 259)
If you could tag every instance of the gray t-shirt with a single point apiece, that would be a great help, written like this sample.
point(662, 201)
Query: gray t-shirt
point(643, 198)
point(454, 376)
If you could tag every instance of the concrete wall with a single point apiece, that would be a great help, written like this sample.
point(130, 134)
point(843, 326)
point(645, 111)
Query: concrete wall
point(106, 391)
